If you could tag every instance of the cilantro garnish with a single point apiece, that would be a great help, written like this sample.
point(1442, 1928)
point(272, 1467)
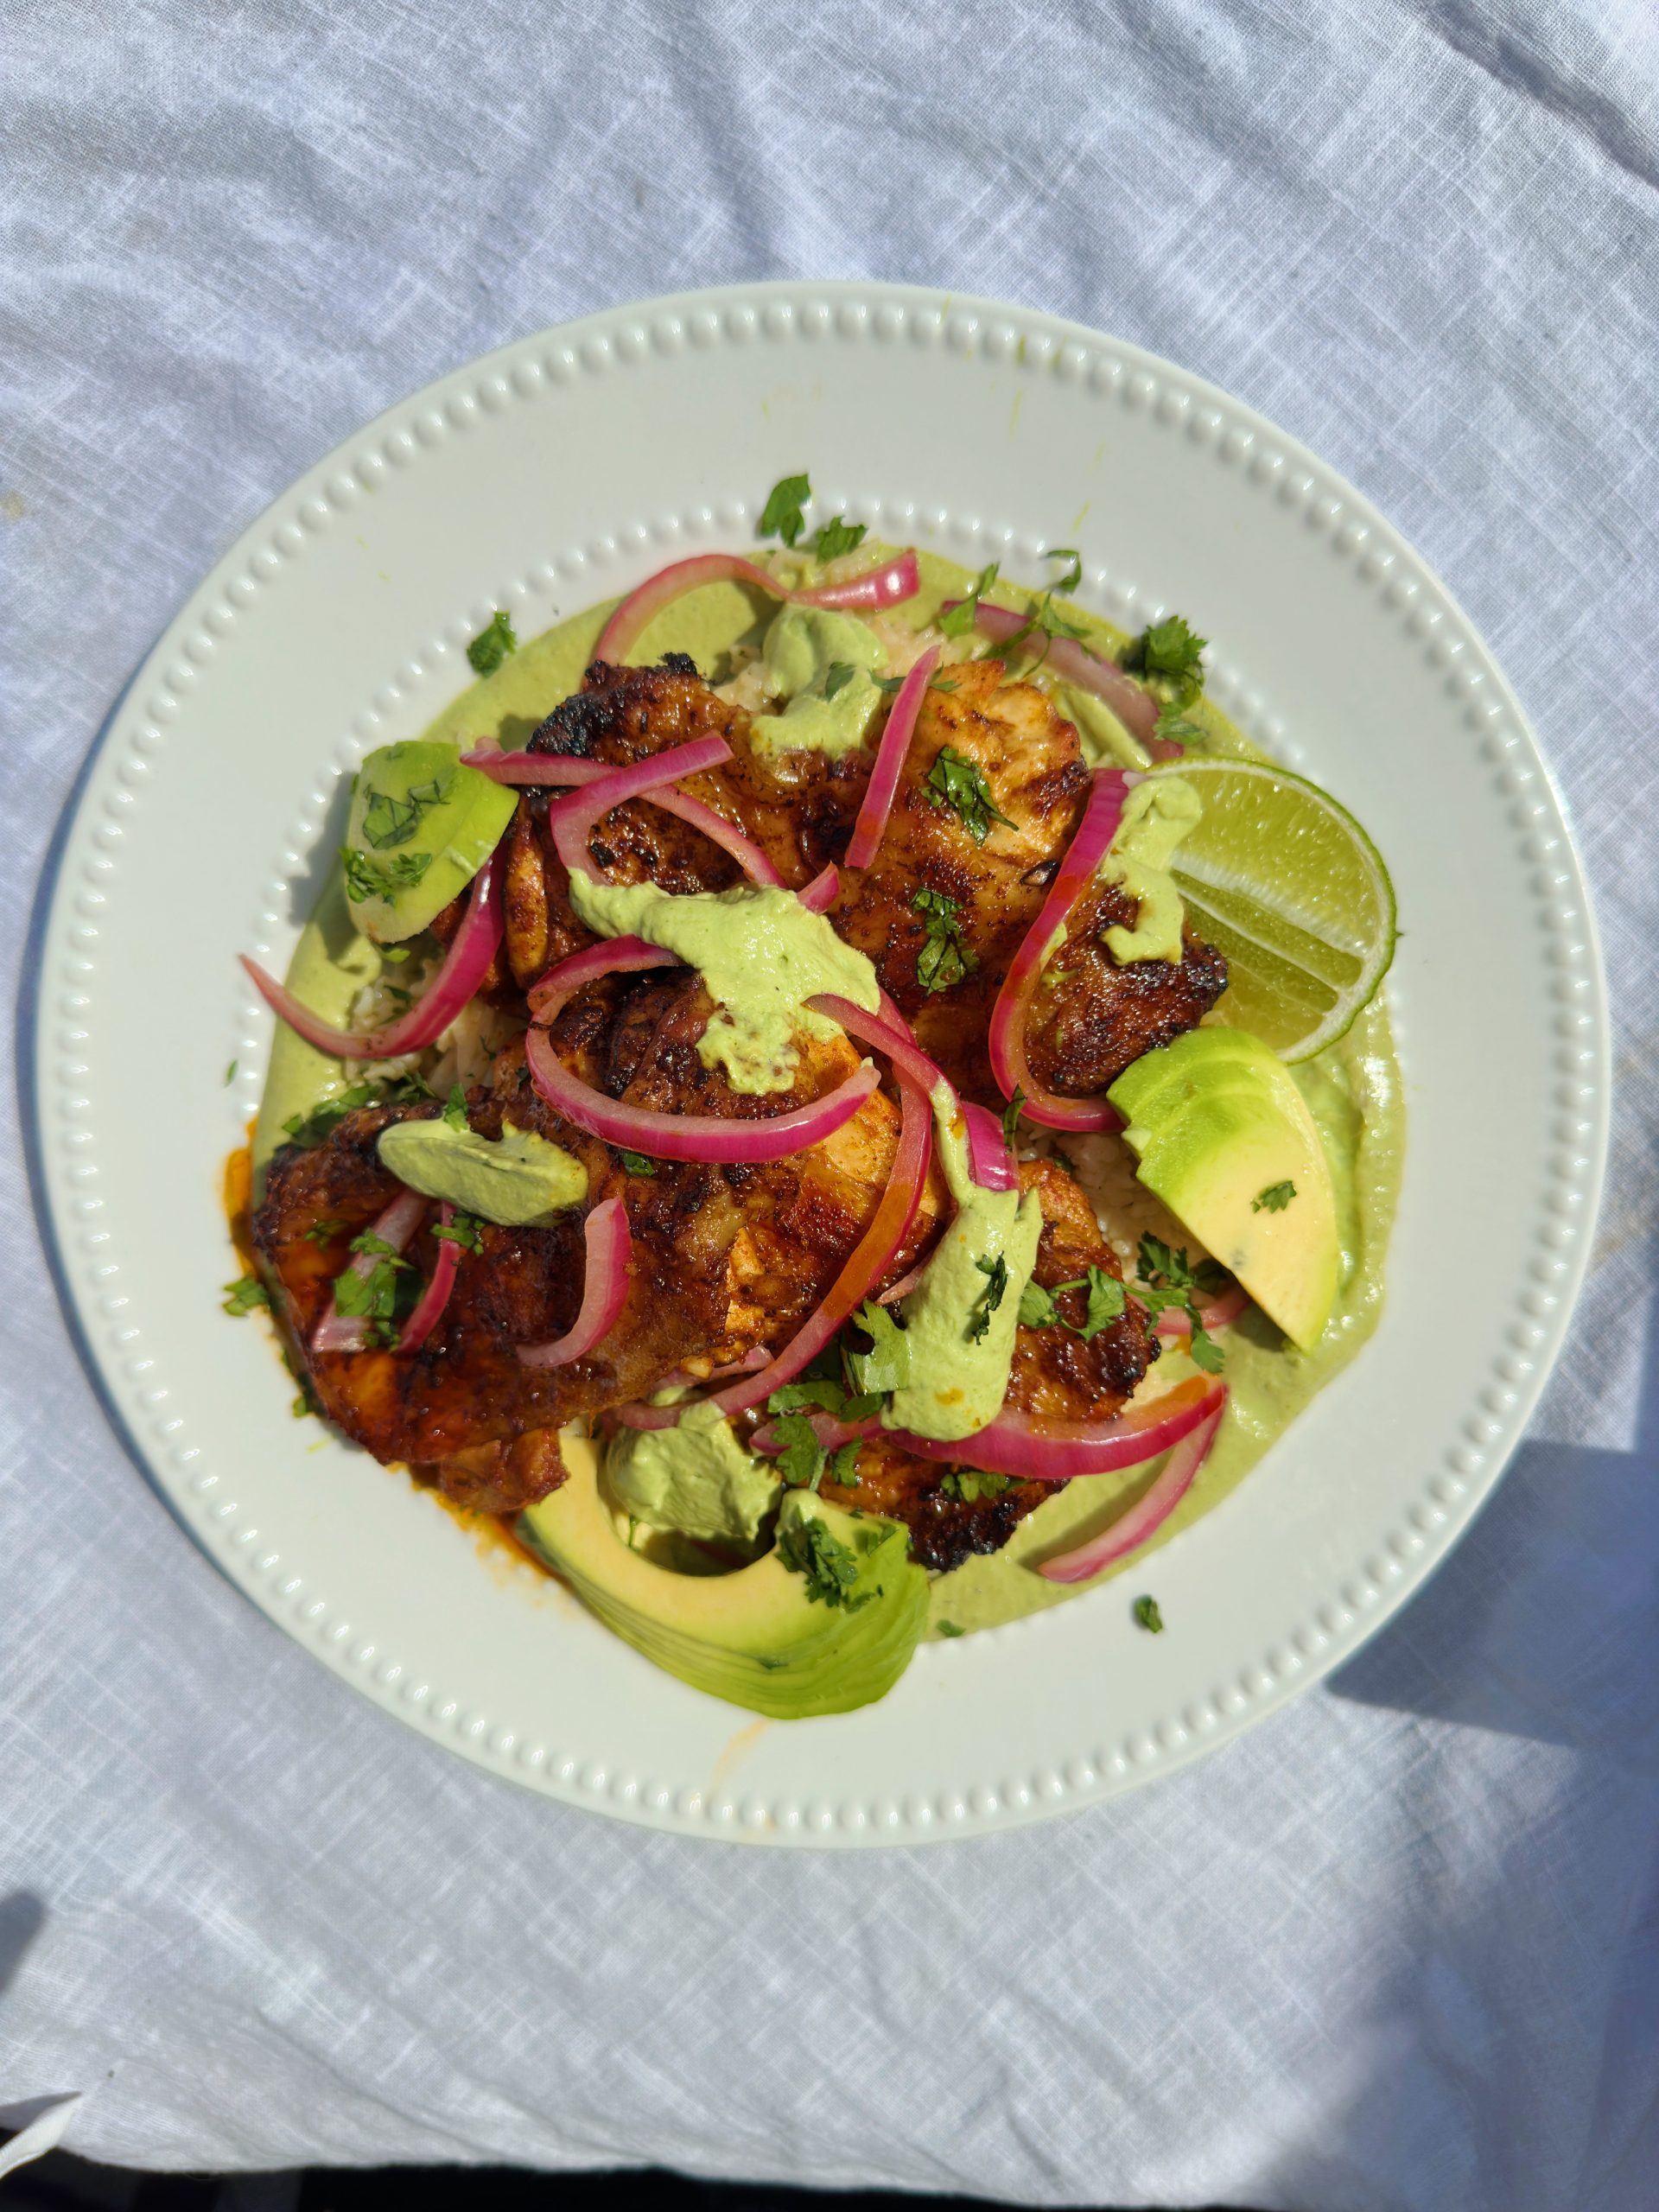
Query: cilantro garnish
point(396, 954)
point(1107, 1299)
point(244, 1296)
point(957, 621)
point(1169, 1279)
point(1011, 1117)
point(372, 1296)
point(957, 783)
point(1203, 1350)
point(466, 1230)
point(844, 1465)
point(1274, 1200)
point(950, 1628)
point(996, 1272)
point(307, 1130)
point(800, 1457)
point(1175, 728)
point(1073, 576)
point(886, 1366)
point(635, 1163)
point(1037, 1306)
point(837, 677)
point(836, 536)
point(322, 1232)
point(889, 684)
point(1146, 1612)
point(389, 820)
point(454, 1111)
point(1170, 648)
point(230, 1073)
point(831, 1566)
point(492, 644)
point(367, 879)
point(967, 1485)
point(944, 959)
point(1106, 1304)
point(781, 517)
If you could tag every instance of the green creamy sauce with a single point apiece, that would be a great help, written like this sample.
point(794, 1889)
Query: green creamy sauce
point(809, 649)
point(760, 954)
point(958, 1382)
point(1353, 1088)
point(695, 1480)
point(519, 1181)
point(1156, 816)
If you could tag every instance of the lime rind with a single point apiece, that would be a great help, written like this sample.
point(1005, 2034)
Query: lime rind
point(1305, 964)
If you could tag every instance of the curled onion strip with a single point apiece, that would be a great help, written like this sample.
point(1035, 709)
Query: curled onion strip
point(572, 819)
point(870, 1256)
point(1044, 1451)
point(1149, 1513)
point(1007, 1032)
point(465, 966)
point(426, 1315)
point(559, 768)
point(609, 1243)
point(820, 895)
point(889, 762)
point(396, 1226)
point(1213, 1313)
point(612, 956)
point(1135, 706)
point(887, 586)
point(708, 1137)
point(990, 1161)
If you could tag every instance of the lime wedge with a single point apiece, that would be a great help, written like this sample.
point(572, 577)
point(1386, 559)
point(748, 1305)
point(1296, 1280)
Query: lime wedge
point(1285, 882)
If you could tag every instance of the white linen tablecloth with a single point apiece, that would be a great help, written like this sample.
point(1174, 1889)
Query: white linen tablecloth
point(1398, 1946)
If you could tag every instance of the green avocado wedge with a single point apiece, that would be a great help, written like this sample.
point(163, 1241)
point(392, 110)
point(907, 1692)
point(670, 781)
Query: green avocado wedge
point(1221, 1135)
point(422, 826)
point(757, 1637)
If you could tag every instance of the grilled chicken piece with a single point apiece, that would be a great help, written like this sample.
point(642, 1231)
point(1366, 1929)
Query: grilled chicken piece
point(724, 1258)
point(1055, 1374)
point(1029, 756)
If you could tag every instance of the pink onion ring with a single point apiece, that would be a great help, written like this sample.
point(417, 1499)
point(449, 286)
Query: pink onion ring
point(820, 895)
point(1044, 1451)
point(465, 965)
point(1007, 1032)
point(339, 1332)
point(1213, 1313)
point(561, 768)
point(1149, 1513)
point(870, 1256)
point(889, 762)
point(572, 819)
point(708, 1137)
point(612, 956)
point(886, 1032)
point(426, 1315)
point(887, 586)
point(1134, 707)
point(990, 1161)
point(609, 1243)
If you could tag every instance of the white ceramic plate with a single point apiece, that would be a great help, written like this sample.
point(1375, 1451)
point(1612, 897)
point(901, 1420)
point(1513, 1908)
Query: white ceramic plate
point(563, 470)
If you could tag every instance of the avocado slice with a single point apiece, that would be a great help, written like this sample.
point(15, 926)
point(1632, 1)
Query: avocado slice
point(1218, 1130)
point(758, 1637)
point(422, 825)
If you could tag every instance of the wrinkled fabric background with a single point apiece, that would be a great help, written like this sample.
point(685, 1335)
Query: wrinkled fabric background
point(1398, 1947)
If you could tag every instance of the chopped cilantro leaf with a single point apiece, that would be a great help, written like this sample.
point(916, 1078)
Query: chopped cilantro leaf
point(466, 1230)
point(372, 1295)
point(820, 1390)
point(950, 1628)
point(996, 1271)
point(1073, 576)
point(244, 1296)
point(889, 684)
point(322, 1232)
point(1173, 726)
point(635, 1163)
point(957, 783)
point(1146, 1612)
point(308, 1129)
point(230, 1073)
point(1274, 1200)
point(454, 1111)
point(1203, 1350)
point(943, 958)
point(1037, 1306)
point(492, 644)
point(367, 879)
point(886, 1366)
point(1170, 648)
point(844, 1465)
point(836, 536)
point(800, 1456)
point(957, 621)
point(967, 1485)
point(1011, 1117)
point(1167, 1263)
point(829, 1566)
point(837, 677)
point(396, 954)
point(781, 517)
point(389, 820)
point(1106, 1303)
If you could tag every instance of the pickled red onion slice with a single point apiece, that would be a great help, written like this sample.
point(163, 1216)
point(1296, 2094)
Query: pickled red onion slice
point(888, 585)
point(609, 1243)
point(1134, 707)
point(572, 819)
point(396, 1226)
point(889, 762)
point(1149, 1513)
point(430, 1312)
